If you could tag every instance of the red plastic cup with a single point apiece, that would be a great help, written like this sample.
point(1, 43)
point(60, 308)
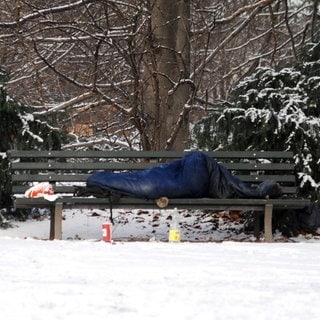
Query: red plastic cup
point(106, 232)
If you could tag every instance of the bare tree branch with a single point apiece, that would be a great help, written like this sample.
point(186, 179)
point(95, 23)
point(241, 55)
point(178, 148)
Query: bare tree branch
point(259, 4)
point(40, 13)
point(222, 44)
point(65, 105)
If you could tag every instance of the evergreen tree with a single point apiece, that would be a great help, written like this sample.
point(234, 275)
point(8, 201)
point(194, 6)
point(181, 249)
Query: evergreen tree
point(273, 110)
point(19, 129)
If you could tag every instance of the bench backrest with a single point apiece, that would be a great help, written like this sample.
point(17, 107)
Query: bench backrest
point(68, 168)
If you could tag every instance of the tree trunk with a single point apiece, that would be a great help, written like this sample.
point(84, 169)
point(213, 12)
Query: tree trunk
point(168, 64)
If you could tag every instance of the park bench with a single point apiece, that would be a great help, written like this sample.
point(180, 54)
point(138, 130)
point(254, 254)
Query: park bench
point(65, 169)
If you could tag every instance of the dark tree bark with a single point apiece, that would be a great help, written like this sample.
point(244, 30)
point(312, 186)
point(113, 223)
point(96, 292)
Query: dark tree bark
point(167, 74)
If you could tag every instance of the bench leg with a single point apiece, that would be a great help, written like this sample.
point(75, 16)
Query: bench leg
point(56, 222)
point(268, 222)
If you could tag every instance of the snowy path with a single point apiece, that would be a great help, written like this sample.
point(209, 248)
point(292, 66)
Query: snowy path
point(157, 280)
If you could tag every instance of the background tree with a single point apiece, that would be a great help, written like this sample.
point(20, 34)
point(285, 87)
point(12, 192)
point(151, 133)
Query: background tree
point(167, 75)
point(273, 110)
point(133, 73)
point(20, 130)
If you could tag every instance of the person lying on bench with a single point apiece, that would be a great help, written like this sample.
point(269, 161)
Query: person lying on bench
point(196, 175)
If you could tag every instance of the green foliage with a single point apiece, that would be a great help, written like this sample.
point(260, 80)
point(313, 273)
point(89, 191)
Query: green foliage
point(273, 110)
point(19, 129)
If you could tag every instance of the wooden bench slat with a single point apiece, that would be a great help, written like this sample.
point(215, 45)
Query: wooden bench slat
point(69, 189)
point(208, 203)
point(147, 154)
point(67, 166)
point(137, 166)
point(68, 177)
point(50, 177)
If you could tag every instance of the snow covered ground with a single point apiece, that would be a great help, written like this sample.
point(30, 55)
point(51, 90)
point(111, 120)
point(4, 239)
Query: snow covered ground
point(131, 225)
point(91, 279)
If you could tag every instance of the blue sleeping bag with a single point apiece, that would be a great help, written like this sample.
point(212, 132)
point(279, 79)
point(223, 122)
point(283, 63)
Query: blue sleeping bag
point(196, 175)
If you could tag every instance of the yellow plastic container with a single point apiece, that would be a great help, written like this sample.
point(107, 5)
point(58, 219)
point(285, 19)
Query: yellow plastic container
point(174, 235)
